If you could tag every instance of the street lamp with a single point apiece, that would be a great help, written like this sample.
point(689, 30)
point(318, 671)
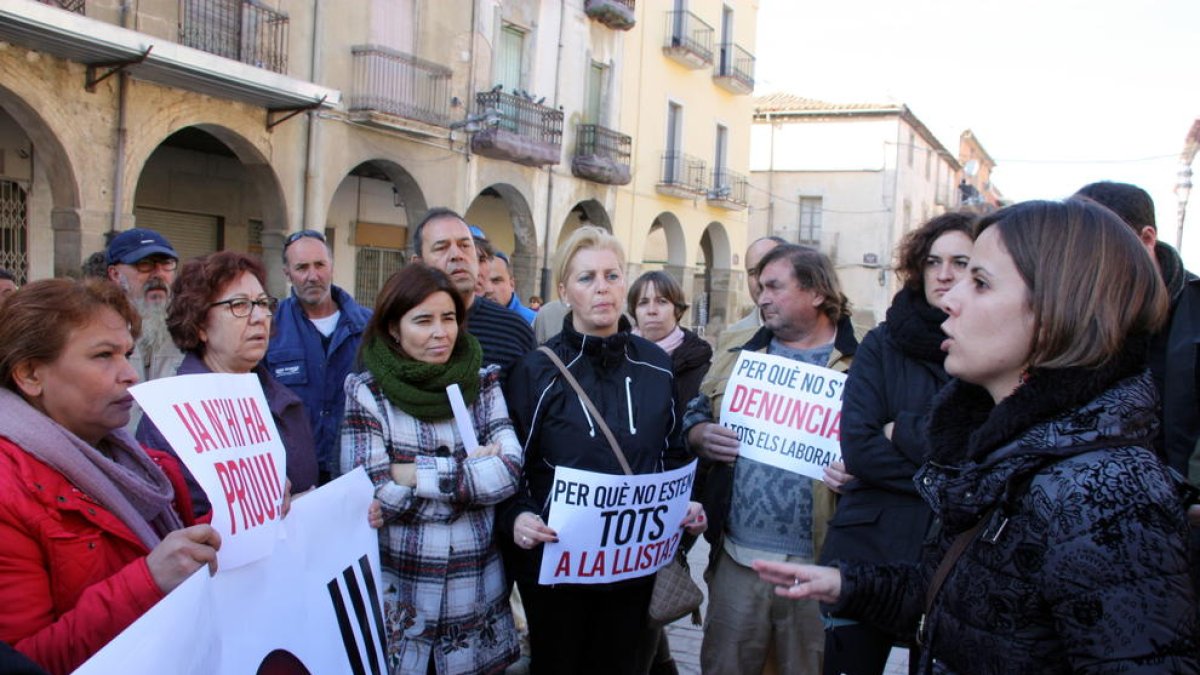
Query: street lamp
point(1183, 190)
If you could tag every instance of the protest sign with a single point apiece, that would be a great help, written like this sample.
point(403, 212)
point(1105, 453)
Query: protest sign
point(786, 413)
point(221, 428)
point(312, 605)
point(614, 527)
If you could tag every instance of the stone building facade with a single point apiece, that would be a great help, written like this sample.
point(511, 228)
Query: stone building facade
point(229, 123)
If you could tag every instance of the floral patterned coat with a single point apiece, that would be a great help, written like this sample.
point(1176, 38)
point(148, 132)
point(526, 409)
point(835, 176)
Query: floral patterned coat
point(1081, 567)
point(445, 594)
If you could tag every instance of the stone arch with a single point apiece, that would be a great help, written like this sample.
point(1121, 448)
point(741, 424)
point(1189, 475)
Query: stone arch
point(504, 215)
point(586, 212)
point(377, 201)
point(49, 157)
point(262, 186)
point(712, 286)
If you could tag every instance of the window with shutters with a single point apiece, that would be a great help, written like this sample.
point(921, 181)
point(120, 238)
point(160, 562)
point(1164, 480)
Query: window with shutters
point(810, 220)
point(510, 57)
point(597, 82)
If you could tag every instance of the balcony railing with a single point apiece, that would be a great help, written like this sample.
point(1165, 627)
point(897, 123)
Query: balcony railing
point(689, 41)
point(76, 6)
point(525, 131)
point(242, 30)
point(395, 83)
point(729, 189)
point(616, 14)
point(682, 175)
point(601, 155)
point(735, 69)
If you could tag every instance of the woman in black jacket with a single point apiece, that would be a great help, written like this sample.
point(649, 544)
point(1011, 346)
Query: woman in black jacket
point(1060, 539)
point(576, 628)
point(896, 373)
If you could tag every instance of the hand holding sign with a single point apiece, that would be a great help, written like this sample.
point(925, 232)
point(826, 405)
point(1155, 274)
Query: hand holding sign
point(715, 442)
point(614, 527)
point(221, 427)
point(530, 531)
point(181, 553)
point(785, 413)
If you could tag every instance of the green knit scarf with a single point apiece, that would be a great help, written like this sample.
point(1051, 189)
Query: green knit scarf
point(419, 388)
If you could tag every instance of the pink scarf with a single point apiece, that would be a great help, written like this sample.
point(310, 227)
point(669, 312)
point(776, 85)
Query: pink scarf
point(668, 343)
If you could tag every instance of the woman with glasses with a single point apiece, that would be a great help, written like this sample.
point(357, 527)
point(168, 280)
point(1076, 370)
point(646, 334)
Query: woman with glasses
point(220, 316)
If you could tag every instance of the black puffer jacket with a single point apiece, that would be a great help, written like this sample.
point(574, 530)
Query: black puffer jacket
point(896, 373)
point(628, 379)
point(1088, 574)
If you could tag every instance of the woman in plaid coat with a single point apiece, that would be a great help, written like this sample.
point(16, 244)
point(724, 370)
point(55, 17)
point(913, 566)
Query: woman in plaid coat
point(444, 590)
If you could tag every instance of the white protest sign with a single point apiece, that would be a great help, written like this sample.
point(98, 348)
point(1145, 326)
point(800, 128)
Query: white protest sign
point(614, 527)
point(786, 413)
point(221, 428)
point(312, 605)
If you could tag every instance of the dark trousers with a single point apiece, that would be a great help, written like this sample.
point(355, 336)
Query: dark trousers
point(576, 630)
point(859, 649)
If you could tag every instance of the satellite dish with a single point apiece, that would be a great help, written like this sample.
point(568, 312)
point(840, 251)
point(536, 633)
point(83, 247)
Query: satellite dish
point(971, 168)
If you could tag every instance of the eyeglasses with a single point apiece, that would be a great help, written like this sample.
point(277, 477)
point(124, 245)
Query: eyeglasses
point(148, 264)
point(242, 307)
point(297, 236)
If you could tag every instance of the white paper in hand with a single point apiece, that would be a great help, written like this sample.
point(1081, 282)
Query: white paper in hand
point(462, 418)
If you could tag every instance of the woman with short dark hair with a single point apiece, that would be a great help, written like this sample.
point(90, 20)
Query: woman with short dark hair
point(92, 524)
point(220, 316)
point(445, 595)
point(1061, 541)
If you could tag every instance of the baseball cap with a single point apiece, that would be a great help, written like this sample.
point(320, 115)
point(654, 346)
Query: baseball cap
point(476, 232)
point(132, 245)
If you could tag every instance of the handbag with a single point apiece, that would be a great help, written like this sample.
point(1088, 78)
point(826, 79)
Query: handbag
point(675, 595)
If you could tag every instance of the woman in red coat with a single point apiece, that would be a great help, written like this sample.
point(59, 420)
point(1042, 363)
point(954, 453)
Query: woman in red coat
point(89, 521)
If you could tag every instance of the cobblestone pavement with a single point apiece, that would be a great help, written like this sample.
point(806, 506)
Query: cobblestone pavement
point(685, 638)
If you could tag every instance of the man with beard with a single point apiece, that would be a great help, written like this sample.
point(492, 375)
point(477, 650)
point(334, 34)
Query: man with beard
point(142, 262)
point(318, 329)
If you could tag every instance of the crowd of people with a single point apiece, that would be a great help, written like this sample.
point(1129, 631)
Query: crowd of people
point(1017, 438)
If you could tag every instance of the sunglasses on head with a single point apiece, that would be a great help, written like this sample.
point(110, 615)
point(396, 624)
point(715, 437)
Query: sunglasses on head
point(297, 236)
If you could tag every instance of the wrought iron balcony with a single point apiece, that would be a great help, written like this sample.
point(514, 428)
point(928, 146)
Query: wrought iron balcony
point(616, 14)
point(242, 30)
point(689, 41)
point(601, 155)
point(682, 176)
point(395, 83)
point(734, 71)
point(76, 6)
point(525, 132)
point(729, 190)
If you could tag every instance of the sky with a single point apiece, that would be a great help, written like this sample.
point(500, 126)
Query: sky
point(1059, 92)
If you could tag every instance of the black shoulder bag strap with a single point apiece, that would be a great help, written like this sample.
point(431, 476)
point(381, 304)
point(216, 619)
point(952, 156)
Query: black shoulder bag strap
point(591, 408)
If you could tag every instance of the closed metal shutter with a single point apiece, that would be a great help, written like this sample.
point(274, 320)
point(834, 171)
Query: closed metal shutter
point(373, 267)
point(191, 234)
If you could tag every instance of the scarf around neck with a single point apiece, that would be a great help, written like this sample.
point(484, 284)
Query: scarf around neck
point(669, 342)
point(419, 388)
point(130, 485)
point(916, 326)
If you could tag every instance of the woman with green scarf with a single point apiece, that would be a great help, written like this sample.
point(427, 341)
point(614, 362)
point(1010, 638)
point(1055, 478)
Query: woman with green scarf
point(444, 591)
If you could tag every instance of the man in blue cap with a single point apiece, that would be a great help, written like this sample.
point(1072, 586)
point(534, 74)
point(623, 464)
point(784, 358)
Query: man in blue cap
point(143, 262)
